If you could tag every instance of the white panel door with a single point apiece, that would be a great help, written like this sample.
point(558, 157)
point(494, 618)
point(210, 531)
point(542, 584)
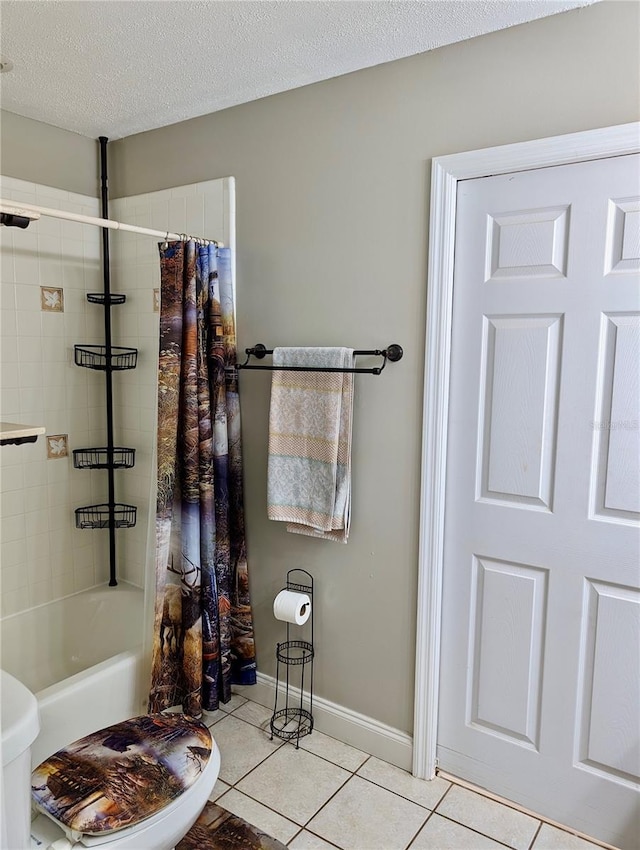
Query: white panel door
point(539, 692)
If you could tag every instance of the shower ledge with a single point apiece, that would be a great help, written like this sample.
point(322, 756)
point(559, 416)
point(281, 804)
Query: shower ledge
point(11, 433)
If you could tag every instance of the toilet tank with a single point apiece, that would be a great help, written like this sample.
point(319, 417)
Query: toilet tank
point(20, 727)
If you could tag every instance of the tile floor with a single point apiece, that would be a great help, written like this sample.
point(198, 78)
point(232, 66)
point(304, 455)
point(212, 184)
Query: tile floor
point(328, 795)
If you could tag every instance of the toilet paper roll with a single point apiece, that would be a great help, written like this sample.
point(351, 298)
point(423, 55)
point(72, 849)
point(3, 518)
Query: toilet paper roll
point(292, 607)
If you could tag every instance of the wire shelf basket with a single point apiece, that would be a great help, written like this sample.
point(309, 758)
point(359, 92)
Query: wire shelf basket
point(101, 298)
point(122, 458)
point(294, 652)
point(96, 357)
point(98, 516)
point(290, 723)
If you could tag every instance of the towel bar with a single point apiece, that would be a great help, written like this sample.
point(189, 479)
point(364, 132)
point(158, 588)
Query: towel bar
point(392, 353)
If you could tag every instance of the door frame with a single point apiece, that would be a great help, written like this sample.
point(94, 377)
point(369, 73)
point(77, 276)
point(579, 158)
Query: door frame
point(446, 171)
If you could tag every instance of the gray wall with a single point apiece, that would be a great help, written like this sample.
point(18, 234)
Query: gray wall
point(332, 218)
point(332, 201)
point(40, 153)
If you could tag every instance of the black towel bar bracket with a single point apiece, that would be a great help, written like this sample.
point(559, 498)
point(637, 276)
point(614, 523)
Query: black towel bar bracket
point(392, 353)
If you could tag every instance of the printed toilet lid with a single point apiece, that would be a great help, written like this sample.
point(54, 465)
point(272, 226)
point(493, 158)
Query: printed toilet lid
point(123, 774)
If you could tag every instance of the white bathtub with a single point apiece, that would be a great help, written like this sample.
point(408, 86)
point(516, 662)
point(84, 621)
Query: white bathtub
point(82, 657)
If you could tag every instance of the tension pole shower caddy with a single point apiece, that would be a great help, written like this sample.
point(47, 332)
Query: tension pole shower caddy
point(107, 358)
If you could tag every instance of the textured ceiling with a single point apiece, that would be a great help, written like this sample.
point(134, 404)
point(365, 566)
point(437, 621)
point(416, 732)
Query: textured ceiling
point(117, 67)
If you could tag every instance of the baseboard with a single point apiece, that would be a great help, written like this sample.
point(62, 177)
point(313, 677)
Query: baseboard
point(358, 730)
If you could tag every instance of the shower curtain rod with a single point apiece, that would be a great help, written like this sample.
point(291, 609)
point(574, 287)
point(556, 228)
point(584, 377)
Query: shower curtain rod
point(29, 212)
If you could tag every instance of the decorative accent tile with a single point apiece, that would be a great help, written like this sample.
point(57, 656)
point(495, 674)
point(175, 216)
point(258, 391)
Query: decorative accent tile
point(57, 446)
point(156, 300)
point(52, 299)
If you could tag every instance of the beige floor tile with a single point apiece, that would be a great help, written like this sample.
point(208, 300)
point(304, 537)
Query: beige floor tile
point(395, 779)
point(235, 702)
point(242, 747)
point(551, 838)
point(210, 718)
point(258, 815)
point(254, 713)
point(293, 782)
point(308, 841)
point(489, 817)
point(442, 834)
point(333, 750)
point(363, 816)
point(219, 789)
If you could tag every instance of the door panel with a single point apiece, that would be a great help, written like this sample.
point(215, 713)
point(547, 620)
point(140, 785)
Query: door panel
point(539, 693)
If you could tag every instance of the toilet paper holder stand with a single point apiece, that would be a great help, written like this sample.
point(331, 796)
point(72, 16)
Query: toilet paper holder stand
point(293, 721)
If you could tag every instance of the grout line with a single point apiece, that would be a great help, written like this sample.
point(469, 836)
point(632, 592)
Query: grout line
point(533, 840)
point(328, 760)
point(510, 804)
point(293, 837)
point(317, 835)
point(419, 830)
point(326, 802)
point(402, 796)
point(442, 774)
point(477, 831)
point(233, 785)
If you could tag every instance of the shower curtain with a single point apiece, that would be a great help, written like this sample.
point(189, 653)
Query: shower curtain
point(203, 630)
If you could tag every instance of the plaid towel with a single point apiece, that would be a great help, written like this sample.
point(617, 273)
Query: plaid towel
point(309, 473)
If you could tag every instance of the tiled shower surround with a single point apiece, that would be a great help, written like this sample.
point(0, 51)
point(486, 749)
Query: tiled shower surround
point(46, 272)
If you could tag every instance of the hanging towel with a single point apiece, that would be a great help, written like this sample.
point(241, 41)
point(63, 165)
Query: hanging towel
point(309, 472)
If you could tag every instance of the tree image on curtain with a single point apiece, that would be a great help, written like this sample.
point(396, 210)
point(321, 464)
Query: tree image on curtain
point(203, 629)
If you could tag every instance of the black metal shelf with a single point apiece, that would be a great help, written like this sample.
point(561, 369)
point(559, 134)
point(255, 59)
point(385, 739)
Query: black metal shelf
point(122, 458)
point(99, 516)
point(102, 298)
point(102, 357)
point(294, 652)
point(299, 721)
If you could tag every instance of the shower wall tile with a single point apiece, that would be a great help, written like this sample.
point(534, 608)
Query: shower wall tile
point(199, 209)
point(43, 556)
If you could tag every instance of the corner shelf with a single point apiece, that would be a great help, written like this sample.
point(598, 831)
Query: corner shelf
point(122, 458)
point(102, 357)
point(99, 516)
point(13, 434)
point(101, 298)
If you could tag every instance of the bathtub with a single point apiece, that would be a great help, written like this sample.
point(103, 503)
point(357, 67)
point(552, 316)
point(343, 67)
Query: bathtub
point(82, 657)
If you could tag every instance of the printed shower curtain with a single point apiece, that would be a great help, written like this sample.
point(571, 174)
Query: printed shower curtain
point(203, 632)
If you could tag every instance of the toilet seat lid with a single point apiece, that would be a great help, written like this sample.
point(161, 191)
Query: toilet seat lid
point(121, 775)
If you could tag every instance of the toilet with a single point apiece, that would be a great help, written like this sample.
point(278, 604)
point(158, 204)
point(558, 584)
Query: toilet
point(139, 783)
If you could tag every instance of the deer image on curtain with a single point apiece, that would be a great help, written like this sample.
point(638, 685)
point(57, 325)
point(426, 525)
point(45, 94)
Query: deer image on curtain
point(203, 629)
